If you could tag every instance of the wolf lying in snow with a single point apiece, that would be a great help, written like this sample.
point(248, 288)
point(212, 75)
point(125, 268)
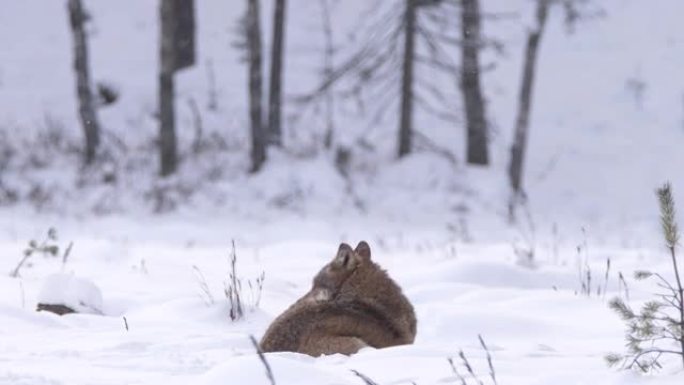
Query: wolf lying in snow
point(353, 304)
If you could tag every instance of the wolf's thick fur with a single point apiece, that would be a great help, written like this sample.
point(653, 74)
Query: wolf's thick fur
point(353, 304)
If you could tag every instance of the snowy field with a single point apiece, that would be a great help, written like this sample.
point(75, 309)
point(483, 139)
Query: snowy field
point(597, 152)
point(538, 326)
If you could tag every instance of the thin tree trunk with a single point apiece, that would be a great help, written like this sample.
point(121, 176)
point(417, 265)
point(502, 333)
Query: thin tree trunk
point(406, 117)
point(86, 108)
point(275, 94)
point(328, 70)
point(254, 56)
point(167, 131)
point(476, 121)
point(515, 170)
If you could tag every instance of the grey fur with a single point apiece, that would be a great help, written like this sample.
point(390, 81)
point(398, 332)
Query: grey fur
point(352, 304)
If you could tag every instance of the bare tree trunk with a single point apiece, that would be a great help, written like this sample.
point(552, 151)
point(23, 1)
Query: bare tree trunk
point(406, 117)
point(86, 108)
point(328, 70)
point(167, 131)
point(259, 138)
point(515, 170)
point(275, 94)
point(476, 121)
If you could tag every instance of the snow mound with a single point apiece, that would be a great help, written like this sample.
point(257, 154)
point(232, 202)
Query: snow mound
point(287, 368)
point(79, 294)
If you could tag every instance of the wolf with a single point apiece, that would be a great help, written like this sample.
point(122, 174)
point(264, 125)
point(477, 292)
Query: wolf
point(352, 304)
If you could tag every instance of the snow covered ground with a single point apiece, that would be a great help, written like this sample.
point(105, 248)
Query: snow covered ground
point(539, 329)
point(597, 152)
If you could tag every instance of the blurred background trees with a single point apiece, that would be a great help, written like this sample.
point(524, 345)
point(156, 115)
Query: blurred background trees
point(398, 51)
point(416, 68)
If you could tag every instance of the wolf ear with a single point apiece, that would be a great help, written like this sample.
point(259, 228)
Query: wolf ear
point(363, 250)
point(343, 254)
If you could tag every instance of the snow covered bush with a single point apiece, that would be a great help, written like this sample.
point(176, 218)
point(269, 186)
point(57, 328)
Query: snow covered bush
point(658, 329)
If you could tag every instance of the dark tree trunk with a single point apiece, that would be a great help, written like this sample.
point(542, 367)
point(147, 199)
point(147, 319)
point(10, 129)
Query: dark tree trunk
point(86, 102)
point(259, 138)
point(328, 70)
point(167, 131)
point(476, 121)
point(183, 34)
point(275, 94)
point(515, 170)
point(406, 114)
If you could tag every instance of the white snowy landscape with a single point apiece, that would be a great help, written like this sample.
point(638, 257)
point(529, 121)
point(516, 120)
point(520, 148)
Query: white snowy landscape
point(145, 260)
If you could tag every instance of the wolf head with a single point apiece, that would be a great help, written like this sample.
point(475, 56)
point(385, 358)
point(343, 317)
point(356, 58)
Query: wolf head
point(353, 278)
point(328, 281)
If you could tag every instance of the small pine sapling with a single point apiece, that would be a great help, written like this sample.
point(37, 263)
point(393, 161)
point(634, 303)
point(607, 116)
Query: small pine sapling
point(658, 328)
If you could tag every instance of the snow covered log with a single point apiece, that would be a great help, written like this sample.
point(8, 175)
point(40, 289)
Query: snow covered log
point(65, 293)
